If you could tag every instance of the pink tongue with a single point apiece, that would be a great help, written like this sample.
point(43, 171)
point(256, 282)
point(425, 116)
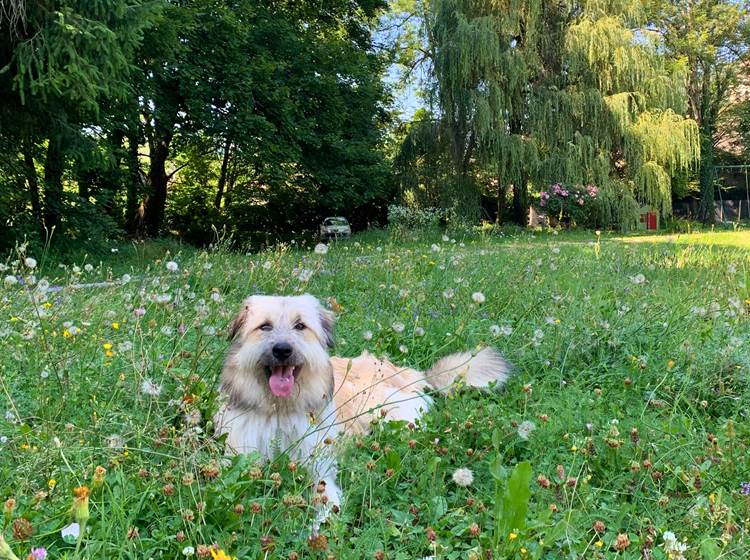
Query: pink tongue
point(281, 380)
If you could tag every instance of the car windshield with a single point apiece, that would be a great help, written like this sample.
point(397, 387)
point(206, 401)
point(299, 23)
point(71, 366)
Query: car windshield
point(335, 222)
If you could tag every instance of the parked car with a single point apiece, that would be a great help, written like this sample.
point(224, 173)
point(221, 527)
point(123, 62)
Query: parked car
point(335, 227)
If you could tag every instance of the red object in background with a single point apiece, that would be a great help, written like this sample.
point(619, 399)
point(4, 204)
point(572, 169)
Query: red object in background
point(649, 218)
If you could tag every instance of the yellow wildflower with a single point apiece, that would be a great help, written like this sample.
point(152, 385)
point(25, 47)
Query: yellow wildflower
point(599, 543)
point(512, 536)
point(51, 483)
point(107, 346)
point(116, 326)
point(220, 555)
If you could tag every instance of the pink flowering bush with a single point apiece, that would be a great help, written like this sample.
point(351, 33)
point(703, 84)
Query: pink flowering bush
point(569, 205)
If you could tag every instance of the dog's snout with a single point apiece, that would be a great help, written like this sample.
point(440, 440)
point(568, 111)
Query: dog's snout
point(282, 350)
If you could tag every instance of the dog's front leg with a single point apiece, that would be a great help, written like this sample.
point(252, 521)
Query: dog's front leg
point(326, 492)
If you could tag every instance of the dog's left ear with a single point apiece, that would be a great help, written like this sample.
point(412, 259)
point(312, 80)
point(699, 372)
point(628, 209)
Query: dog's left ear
point(327, 321)
point(239, 320)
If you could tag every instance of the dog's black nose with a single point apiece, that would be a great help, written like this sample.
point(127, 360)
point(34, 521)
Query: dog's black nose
point(281, 350)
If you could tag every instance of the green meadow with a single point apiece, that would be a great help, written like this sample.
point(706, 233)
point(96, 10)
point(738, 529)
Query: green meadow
point(623, 433)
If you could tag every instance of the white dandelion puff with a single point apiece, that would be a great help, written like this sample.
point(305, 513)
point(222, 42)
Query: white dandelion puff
point(148, 387)
point(478, 297)
point(172, 266)
point(321, 248)
point(30, 262)
point(463, 477)
point(525, 429)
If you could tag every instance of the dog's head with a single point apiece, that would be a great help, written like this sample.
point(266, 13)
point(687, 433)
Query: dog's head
point(280, 350)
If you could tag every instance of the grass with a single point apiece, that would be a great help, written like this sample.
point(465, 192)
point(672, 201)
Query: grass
point(627, 418)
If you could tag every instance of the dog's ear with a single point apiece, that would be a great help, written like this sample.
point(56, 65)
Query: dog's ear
point(239, 320)
point(327, 321)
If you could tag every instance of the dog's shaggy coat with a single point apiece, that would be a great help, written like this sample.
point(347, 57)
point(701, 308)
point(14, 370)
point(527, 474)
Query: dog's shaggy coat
point(285, 394)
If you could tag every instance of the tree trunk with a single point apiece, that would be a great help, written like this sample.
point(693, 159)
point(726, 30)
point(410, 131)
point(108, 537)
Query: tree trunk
point(500, 201)
point(155, 203)
point(84, 185)
point(33, 182)
point(132, 217)
point(54, 165)
point(223, 174)
point(520, 202)
point(706, 210)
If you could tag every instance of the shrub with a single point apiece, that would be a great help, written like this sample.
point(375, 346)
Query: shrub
point(408, 217)
point(569, 205)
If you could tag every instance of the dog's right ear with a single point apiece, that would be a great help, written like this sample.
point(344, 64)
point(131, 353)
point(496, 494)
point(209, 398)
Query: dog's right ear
point(239, 320)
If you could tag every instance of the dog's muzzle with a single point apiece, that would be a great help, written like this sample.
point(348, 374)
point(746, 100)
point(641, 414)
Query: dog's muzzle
point(282, 369)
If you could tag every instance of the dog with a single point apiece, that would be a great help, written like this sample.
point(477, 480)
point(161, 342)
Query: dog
point(285, 394)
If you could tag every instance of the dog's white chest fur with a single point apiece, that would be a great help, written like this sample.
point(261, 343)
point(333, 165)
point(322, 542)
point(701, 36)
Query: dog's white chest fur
point(273, 434)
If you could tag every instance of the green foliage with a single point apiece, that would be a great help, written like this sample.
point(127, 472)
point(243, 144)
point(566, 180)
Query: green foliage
point(534, 93)
point(627, 408)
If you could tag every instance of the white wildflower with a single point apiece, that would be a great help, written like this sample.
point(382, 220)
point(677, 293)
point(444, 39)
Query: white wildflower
point(10, 280)
point(525, 429)
point(495, 330)
point(172, 266)
point(449, 293)
point(43, 286)
point(403, 349)
point(115, 441)
point(267, 265)
point(478, 297)
point(148, 387)
point(321, 248)
point(435, 248)
point(188, 551)
point(637, 279)
point(367, 335)
point(125, 278)
point(30, 262)
point(71, 533)
point(419, 331)
point(305, 275)
point(505, 330)
point(463, 477)
point(398, 327)
point(88, 267)
point(446, 238)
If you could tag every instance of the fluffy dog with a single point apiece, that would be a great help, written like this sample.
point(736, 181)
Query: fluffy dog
point(285, 394)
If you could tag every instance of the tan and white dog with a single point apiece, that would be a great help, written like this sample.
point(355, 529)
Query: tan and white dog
point(285, 394)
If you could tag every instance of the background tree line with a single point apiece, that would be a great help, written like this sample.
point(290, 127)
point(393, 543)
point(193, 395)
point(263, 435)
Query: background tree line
point(261, 117)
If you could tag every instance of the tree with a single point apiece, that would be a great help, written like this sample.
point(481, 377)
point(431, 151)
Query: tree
point(537, 92)
point(711, 36)
point(61, 64)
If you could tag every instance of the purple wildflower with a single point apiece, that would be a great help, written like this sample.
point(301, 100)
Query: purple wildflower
point(38, 553)
point(745, 488)
point(139, 311)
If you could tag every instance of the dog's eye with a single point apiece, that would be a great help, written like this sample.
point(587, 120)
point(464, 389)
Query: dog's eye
point(300, 326)
point(266, 327)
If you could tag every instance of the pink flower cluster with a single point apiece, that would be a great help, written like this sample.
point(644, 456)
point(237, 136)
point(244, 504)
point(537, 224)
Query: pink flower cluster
point(578, 194)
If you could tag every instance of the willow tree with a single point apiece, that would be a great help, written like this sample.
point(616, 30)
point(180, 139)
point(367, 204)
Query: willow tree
point(535, 92)
point(614, 117)
point(482, 70)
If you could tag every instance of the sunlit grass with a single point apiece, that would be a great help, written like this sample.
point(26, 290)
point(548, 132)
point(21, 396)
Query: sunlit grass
point(630, 398)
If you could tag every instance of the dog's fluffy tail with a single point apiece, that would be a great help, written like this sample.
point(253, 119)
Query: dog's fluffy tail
point(475, 370)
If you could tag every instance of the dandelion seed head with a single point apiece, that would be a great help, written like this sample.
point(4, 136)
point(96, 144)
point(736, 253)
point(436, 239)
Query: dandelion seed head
point(463, 477)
